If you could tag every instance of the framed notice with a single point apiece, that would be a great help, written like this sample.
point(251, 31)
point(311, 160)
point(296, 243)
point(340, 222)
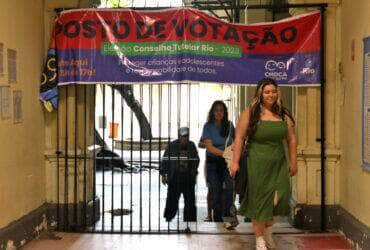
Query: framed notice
point(5, 102)
point(366, 106)
point(17, 106)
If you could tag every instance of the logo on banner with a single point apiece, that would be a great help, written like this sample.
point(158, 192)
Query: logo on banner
point(276, 70)
point(308, 67)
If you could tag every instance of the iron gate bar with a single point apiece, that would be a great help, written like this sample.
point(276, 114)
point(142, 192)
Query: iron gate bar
point(237, 12)
point(141, 162)
point(222, 3)
point(122, 107)
point(112, 135)
point(215, 5)
point(178, 155)
point(58, 168)
point(104, 163)
point(94, 159)
point(322, 123)
point(150, 154)
point(205, 5)
point(159, 150)
point(168, 132)
point(131, 156)
point(84, 161)
point(212, 5)
point(189, 108)
point(66, 218)
point(214, 13)
point(75, 160)
point(196, 176)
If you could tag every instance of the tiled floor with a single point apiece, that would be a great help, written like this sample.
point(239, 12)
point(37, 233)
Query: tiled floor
point(183, 241)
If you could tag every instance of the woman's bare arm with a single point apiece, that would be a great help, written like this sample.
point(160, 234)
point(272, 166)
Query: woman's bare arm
point(292, 147)
point(240, 133)
point(212, 149)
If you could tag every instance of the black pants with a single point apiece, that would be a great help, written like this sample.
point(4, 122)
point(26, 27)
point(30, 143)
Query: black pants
point(218, 178)
point(181, 183)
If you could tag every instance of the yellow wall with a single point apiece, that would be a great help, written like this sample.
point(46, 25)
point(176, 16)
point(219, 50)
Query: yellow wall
point(354, 181)
point(25, 27)
point(22, 167)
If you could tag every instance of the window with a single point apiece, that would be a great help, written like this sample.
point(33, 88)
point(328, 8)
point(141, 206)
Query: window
point(1, 60)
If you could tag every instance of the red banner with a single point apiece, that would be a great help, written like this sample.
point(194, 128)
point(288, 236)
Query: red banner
point(89, 28)
point(178, 45)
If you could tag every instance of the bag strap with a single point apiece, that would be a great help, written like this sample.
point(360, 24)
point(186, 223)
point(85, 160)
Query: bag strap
point(229, 134)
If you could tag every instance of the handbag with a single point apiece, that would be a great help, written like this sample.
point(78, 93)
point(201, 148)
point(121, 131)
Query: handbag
point(231, 221)
point(240, 181)
point(241, 176)
point(228, 152)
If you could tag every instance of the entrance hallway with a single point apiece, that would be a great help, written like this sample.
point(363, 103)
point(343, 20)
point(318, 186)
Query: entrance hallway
point(332, 241)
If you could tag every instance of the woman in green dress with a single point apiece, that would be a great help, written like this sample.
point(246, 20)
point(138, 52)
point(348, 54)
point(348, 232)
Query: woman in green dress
point(266, 124)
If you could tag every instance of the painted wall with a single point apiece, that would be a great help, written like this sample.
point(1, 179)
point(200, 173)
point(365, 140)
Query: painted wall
point(22, 167)
point(25, 27)
point(354, 180)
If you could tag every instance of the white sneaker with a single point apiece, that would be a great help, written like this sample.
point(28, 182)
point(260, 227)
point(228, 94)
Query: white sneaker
point(260, 243)
point(270, 243)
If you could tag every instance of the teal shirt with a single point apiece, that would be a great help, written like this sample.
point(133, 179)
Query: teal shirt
point(210, 131)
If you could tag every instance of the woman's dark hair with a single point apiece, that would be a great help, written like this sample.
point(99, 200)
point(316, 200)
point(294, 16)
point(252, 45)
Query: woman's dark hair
point(225, 120)
point(255, 107)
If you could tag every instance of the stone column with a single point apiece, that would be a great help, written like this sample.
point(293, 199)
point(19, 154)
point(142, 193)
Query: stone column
point(70, 173)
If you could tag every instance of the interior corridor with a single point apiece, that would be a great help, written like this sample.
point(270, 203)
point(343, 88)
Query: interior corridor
point(182, 241)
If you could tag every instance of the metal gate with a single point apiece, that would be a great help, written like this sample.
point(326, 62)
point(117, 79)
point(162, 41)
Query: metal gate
point(110, 142)
point(114, 137)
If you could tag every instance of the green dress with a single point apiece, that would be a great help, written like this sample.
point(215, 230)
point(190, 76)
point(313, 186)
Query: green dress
point(267, 173)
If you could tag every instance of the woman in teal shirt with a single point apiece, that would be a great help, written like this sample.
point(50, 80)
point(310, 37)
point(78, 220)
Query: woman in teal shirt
point(215, 133)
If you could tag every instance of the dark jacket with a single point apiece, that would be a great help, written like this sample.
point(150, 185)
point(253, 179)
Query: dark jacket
point(170, 166)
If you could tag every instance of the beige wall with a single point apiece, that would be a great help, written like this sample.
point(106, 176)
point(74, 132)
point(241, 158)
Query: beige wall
point(354, 180)
point(25, 27)
point(22, 168)
point(347, 184)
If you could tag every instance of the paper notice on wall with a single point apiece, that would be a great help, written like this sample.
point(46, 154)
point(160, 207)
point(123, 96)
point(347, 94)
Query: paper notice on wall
point(366, 105)
point(17, 106)
point(5, 102)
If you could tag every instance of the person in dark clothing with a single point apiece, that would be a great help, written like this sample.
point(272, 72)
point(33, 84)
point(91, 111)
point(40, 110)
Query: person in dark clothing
point(179, 169)
point(215, 133)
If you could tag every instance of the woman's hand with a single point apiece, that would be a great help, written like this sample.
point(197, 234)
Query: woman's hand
point(201, 144)
point(233, 168)
point(293, 169)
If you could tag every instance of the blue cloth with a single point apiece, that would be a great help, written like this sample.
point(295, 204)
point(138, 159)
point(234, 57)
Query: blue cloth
point(49, 86)
point(210, 131)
